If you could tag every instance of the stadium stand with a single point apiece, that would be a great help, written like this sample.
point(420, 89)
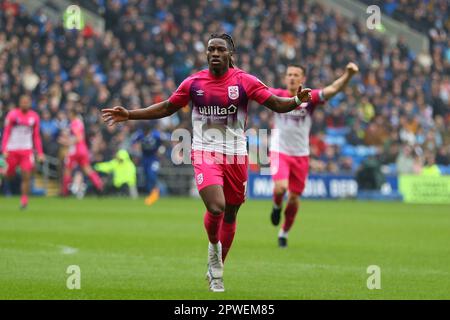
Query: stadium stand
point(148, 47)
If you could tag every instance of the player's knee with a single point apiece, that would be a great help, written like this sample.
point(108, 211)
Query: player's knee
point(231, 213)
point(87, 170)
point(293, 199)
point(280, 190)
point(26, 174)
point(216, 207)
point(230, 217)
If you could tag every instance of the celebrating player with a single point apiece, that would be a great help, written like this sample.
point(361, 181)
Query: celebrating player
point(20, 137)
point(78, 155)
point(289, 150)
point(219, 96)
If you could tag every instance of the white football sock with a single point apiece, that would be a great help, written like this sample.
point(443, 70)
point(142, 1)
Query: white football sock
point(282, 234)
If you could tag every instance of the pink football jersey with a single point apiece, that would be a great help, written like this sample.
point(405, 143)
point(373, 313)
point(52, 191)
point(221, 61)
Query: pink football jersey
point(219, 108)
point(22, 131)
point(291, 136)
point(77, 129)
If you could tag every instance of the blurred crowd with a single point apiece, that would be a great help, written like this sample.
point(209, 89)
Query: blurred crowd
point(431, 17)
point(396, 109)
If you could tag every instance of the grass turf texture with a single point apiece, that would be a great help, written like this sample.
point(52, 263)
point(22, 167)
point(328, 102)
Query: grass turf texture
point(129, 251)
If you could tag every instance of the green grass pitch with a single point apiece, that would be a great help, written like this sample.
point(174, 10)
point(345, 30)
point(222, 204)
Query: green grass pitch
point(126, 250)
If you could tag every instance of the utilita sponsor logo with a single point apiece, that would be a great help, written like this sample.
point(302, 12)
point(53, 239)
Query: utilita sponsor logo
point(217, 110)
point(300, 112)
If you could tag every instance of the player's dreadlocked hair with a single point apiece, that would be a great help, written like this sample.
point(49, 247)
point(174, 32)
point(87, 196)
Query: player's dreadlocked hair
point(229, 41)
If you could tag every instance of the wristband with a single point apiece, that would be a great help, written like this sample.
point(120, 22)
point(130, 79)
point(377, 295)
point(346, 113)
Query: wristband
point(297, 101)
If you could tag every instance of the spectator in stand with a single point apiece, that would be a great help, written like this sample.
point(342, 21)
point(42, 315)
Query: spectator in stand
point(443, 156)
point(330, 159)
point(407, 161)
point(430, 168)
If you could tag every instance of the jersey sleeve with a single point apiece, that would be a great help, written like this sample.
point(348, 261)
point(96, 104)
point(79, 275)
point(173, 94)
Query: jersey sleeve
point(37, 136)
point(6, 131)
point(317, 99)
point(182, 96)
point(256, 90)
point(275, 91)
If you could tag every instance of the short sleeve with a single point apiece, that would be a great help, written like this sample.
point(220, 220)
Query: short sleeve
point(276, 91)
point(182, 96)
point(256, 90)
point(317, 97)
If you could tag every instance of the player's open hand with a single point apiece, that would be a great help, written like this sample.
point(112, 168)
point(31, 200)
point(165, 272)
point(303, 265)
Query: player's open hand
point(41, 158)
point(352, 68)
point(304, 95)
point(115, 115)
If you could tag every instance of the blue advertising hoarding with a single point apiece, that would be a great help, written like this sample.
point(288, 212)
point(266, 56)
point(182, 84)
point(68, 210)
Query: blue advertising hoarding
point(317, 186)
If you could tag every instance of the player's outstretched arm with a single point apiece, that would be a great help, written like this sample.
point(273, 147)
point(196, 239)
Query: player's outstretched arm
point(340, 83)
point(6, 135)
point(155, 111)
point(282, 105)
point(37, 141)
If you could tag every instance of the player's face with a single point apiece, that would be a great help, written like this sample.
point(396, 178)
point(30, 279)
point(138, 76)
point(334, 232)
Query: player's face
point(294, 78)
point(217, 54)
point(25, 103)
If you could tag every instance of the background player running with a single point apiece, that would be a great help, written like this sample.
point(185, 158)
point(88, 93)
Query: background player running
point(219, 96)
point(150, 140)
point(78, 154)
point(289, 147)
point(21, 135)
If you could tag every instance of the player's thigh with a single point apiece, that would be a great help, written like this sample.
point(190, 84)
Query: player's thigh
point(298, 174)
point(12, 161)
point(152, 170)
point(279, 166)
point(147, 165)
point(235, 180)
point(27, 161)
point(208, 176)
point(70, 161)
point(83, 160)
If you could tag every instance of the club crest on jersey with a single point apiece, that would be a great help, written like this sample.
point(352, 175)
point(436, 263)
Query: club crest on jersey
point(233, 92)
point(200, 178)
